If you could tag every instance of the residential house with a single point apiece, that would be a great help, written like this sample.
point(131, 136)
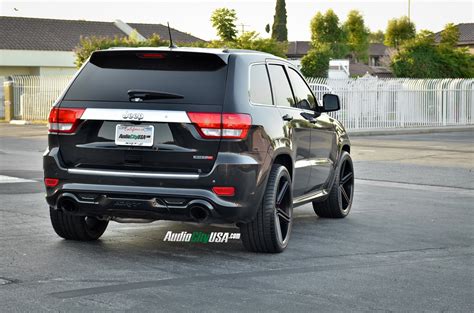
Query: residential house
point(38, 46)
point(377, 52)
point(466, 36)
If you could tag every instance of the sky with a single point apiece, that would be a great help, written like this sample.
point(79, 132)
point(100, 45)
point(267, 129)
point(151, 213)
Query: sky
point(193, 16)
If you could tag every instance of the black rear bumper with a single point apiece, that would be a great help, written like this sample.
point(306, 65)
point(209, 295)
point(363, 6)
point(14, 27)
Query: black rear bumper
point(168, 197)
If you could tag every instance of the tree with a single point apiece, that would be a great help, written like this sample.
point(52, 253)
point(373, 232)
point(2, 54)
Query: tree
point(267, 28)
point(246, 40)
point(357, 36)
point(325, 29)
point(223, 20)
point(421, 57)
point(328, 40)
point(252, 41)
point(450, 35)
point(398, 31)
point(377, 37)
point(316, 62)
point(279, 30)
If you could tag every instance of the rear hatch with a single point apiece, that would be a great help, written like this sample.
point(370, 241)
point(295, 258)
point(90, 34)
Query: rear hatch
point(135, 109)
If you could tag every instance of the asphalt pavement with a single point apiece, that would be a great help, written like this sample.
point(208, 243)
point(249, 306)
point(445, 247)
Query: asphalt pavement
point(407, 245)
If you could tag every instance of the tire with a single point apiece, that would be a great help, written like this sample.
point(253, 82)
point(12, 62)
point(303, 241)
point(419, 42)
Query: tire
point(80, 228)
point(339, 201)
point(270, 230)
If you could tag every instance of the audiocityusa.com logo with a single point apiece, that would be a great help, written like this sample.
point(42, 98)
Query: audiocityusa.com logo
point(201, 237)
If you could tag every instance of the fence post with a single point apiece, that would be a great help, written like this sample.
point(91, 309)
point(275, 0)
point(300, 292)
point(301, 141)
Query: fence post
point(8, 94)
point(444, 106)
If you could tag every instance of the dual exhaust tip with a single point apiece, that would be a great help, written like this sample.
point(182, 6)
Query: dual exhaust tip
point(199, 210)
point(67, 204)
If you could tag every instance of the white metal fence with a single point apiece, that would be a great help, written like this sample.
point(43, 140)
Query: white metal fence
point(371, 102)
point(33, 96)
point(366, 103)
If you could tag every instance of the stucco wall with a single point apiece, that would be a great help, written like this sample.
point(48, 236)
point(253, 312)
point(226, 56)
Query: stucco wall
point(17, 70)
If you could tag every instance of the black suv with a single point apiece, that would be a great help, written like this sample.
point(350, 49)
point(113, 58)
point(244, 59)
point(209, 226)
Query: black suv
point(203, 135)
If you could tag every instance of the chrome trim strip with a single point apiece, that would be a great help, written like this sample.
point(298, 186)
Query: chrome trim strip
point(161, 116)
point(80, 171)
point(313, 162)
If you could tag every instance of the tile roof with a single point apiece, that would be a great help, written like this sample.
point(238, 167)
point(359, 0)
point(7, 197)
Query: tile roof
point(466, 33)
point(20, 33)
point(148, 29)
point(378, 49)
point(297, 48)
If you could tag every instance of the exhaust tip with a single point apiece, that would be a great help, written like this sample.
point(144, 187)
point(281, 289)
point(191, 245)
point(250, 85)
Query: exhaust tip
point(198, 213)
point(67, 205)
point(199, 210)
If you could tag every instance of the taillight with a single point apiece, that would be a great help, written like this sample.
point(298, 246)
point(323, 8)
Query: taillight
point(225, 126)
point(51, 182)
point(224, 191)
point(64, 120)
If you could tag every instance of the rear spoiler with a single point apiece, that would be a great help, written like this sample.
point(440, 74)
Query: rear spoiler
point(223, 54)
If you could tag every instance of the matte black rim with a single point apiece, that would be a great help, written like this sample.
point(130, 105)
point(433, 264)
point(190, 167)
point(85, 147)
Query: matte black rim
point(283, 210)
point(346, 184)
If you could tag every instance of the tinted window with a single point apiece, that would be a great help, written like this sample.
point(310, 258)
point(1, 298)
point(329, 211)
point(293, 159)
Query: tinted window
point(280, 86)
point(199, 78)
point(260, 85)
point(303, 95)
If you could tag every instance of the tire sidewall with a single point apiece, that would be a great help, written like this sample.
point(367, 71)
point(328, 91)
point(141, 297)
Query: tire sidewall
point(281, 171)
point(345, 157)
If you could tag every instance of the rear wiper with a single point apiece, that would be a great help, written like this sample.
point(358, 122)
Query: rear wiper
point(143, 95)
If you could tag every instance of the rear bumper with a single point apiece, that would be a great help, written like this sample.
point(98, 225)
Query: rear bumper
point(170, 196)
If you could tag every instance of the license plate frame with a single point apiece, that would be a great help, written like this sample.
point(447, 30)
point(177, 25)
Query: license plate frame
point(134, 135)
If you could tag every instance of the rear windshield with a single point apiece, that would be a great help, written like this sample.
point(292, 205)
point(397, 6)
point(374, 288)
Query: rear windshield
point(198, 77)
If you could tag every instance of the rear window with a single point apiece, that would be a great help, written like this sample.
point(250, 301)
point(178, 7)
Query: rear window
point(199, 77)
point(260, 92)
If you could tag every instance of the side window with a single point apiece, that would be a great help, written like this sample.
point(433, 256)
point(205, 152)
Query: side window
point(304, 96)
point(281, 86)
point(260, 92)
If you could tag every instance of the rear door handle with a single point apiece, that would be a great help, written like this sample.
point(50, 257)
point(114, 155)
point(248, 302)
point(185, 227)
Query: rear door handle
point(287, 117)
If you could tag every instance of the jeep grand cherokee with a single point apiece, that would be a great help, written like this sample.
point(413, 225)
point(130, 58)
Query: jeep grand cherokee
point(203, 135)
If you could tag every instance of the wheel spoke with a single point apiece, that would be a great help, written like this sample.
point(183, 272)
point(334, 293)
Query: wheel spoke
point(344, 194)
point(282, 193)
point(278, 228)
point(346, 179)
point(343, 168)
point(283, 216)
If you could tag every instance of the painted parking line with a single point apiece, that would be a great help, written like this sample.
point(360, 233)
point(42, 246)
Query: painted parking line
point(10, 180)
point(415, 186)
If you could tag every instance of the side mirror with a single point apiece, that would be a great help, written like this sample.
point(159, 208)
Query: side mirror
point(331, 103)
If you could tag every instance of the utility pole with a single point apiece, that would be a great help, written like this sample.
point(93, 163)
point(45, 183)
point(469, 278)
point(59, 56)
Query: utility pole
point(409, 9)
point(242, 25)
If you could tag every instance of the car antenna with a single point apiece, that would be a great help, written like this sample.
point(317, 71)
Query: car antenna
point(172, 45)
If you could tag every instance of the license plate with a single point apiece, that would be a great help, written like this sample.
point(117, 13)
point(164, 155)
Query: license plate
point(133, 135)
